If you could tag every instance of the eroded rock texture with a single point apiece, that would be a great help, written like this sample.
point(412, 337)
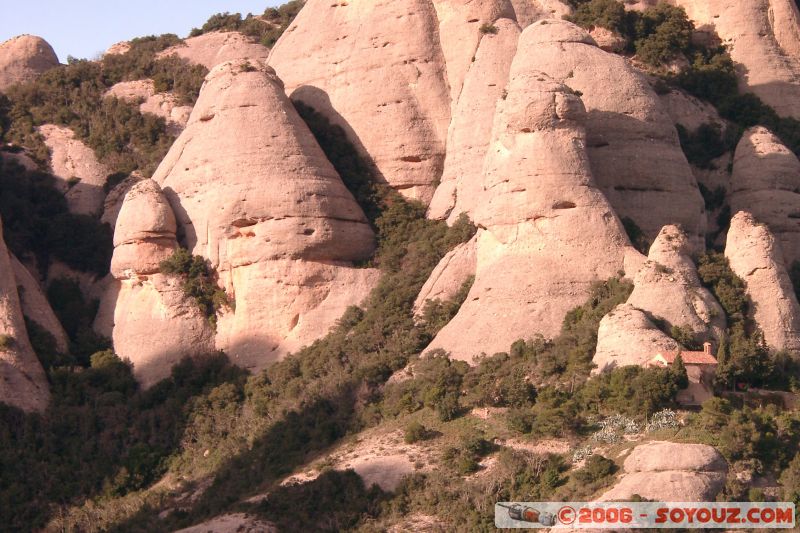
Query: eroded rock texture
point(211, 49)
point(762, 36)
point(81, 175)
point(253, 193)
point(165, 105)
point(668, 471)
point(766, 183)
point(23, 58)
point(539, 203)
point(376, 68)
point(755, 256)
point(22, 380)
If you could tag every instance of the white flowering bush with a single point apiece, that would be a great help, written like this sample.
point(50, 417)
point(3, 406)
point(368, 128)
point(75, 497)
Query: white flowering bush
point(664, 419)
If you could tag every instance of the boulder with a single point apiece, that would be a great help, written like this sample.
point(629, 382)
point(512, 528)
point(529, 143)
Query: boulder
point(23, 59)
point(471, 128)
point(23, 383)
point(119, 48)
point(755, 256)
point(762, 36)
point(633, 146)
point(154, 323)
point(377, 69)
point(449, 276)
point(232, 523)
point(284, 230)
point(113, 202)
point(627, 336)
point(529, 11)
point(766, 183)
point(35, 305)
point(81, 176)
point(165, 105)
point(670, 472)
point(547, 232)
point(213, 48)
point(668, 287)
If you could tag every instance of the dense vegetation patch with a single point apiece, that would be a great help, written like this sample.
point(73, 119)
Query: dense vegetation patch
point(265, 29)
point(199, 282)
point(37, 224)
point(73, 96)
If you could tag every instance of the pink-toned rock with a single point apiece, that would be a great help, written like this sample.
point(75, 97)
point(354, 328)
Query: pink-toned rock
point(766, 183)
point(668, 287)
point(471, 128)
point(23, 382)
point(81, 175)
point(284, 230)
point(35, 305)
point(154, 323)
point(529, 11)
point(20, 158)
point(534, 260)
point(755, 256)
point(626, 337)
point(211, 49)
point(449, 276)
point(23, 59)
point(670, 472)
point(165, 105)
point(232, 523)
point(113, 202)
point(460, 23)
point(762, 36)
point(119, 48)
point(608, 40)
point(377, 69)
point(633, 147)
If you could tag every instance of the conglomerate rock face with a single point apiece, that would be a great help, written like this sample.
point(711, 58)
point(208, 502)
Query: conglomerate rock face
point(766, 183)
point(22, 380)
point(151, 321)
point(755, 256)
point(23, 59)
point(539, 202)
point(670, 472)
point(391, 95)
point(633, 146)
point(81, 175)
point(763, 37)
point(213, 48)
point(254, 194)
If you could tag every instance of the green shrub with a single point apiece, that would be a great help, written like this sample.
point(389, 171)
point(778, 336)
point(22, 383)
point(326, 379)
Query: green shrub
point(790, 481)
point(608, 14)
point(6, 342)
point(415, 432)
point(199, 282)
point(76, 316)
point(662, 33)
point(706, 143)
point(266, 29)
point(596, 468)
point(487, 28)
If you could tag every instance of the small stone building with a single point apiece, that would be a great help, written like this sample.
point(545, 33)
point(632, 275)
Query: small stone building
point(700, 367)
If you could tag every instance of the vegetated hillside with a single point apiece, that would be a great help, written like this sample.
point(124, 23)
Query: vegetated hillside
point(379, 399)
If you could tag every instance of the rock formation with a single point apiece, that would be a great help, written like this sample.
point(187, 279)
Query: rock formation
point(627, 336)
point(670, 472)
point(81, 175)
point(232, 523)
point(283, 231)
point(22, 380)
point(762, 36)
point(449, 276)
point(668, 287)
point(35, 305)
point(165, 105)
point(471, 127)
point(534, 261)
point(23, 58)
point(376, 68)
point(115, 197)
point(529, 11)
point(755, 256)
point(211, 49)
point(633, 147)
point(766, 183)
point(460, 32)
point(154, 324)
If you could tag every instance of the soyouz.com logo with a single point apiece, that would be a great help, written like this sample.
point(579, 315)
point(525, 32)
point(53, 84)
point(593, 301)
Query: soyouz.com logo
point(634, 515)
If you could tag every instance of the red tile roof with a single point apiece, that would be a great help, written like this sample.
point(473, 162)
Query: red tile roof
point(690, 358)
